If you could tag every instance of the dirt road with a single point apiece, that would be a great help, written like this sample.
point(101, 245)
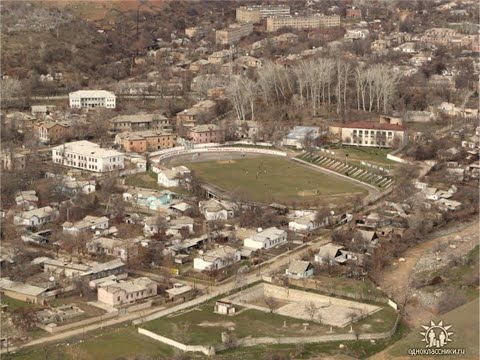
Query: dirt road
point(395, 280)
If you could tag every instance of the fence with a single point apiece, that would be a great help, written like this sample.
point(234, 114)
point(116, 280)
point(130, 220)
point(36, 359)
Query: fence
point(206, 350)
point(210, 350)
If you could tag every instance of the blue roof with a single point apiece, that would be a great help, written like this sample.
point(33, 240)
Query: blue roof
point(299, 132)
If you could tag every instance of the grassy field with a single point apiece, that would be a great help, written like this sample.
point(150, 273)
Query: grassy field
point(376, 156)
point(464, 321)
point(267, 179)
point(14, 304)
point(206, 326)
point(124, 342)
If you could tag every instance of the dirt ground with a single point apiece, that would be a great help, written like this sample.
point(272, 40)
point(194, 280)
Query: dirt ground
point(395, 280)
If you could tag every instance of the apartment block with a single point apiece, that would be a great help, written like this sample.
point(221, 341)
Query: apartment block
point(88, 156)
point(92, 99)
point(233, 33)
point(140, 122)
point(143, 141)
point(302, 22)
point(207, 133)
point(254, 14)
point(365, 133)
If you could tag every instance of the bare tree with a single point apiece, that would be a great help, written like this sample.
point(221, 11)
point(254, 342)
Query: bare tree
point(311, 309)
point(271, 303)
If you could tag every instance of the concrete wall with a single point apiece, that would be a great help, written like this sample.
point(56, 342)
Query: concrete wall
point(206, 350)
point(283, 293)
point(57, 329)
point(396, 159)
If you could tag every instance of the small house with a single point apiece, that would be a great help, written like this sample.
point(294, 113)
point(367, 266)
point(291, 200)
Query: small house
point(300, 269)
point(224, 308)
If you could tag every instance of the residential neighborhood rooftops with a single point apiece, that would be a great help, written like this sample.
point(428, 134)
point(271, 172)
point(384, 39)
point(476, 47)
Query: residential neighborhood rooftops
point(218, 253)
point(138, 118)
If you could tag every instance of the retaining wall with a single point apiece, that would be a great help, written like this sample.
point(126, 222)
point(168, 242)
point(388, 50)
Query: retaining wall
point(76, 324)
point(396, 159)
point(216, 148)
point(206, 350)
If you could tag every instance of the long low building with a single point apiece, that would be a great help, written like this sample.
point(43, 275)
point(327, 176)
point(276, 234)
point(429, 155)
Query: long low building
point(23, 292)
point(302, 22)
point(369, 134)
point(143, 141)
point(92, 99)
point(88, 156)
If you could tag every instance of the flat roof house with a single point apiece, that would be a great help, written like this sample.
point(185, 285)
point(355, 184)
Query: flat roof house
point(266, 239)
point(87, 156)
point(126, 292)
point(92, 99)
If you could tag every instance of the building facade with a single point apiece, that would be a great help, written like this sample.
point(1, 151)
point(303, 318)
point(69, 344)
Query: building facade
point(233, 33)
point(92, 99)
point(127, 292)
point(364, 133)
point(255, 13)
point(143, 141)
point(206, 133)
point(302, 22)
point(88, 156)
point(53, 132)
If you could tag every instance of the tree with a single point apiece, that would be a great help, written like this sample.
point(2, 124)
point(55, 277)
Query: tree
point(311, 309)
point(24, 318)
point(271, 303)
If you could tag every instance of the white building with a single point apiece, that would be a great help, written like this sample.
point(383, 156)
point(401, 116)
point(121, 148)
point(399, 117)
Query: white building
point(89, 156)
point(214, 209)
point(266, 239)
point(173, 177)
point(296, 137)
point(93, 223)
point(92, 99)
point(126, 292)
point(36, 217)
point(304, 221)
point(216, 259)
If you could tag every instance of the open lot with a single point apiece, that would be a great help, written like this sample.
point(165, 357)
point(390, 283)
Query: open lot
point(116, 343)
point(293, 303)
point(206, 326)
point(267, 179)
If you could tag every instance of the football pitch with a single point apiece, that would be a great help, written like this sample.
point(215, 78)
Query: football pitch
point(268, 179)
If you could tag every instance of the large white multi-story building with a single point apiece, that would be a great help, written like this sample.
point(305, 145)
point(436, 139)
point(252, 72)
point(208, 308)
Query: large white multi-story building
point(365, 133)
point(302, 22)
point(233, 33)
point(256, 13)
point(92, 99)
point(89, 156)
